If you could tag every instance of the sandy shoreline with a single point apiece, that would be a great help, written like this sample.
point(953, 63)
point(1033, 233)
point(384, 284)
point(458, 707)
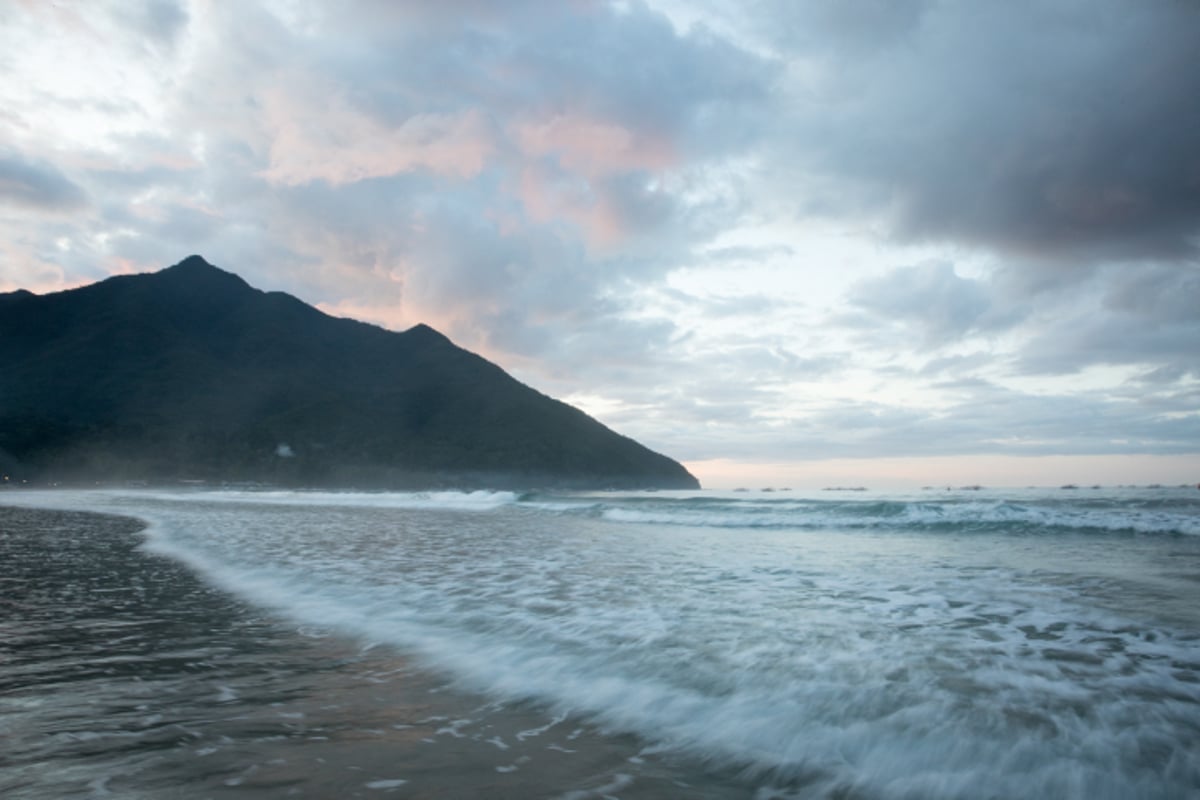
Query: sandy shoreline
point(124, 675)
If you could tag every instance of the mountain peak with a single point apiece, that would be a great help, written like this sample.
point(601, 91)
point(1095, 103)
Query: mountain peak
point(194, 269)
point(426, 333)
point(194, 262)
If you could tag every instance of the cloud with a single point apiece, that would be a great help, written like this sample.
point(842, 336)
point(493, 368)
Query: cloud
point(592, 147)
point(473, 168)
point(1141, 315)
point(995, 421)
point(1166, 293)
point(1061, 131)
point(316, 135)
point(933, 299)
point(763, 228)
point(162, 21)
point(38, 184)
point(828, 25)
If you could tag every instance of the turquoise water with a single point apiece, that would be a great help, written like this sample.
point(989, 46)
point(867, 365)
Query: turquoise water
point(935, 644)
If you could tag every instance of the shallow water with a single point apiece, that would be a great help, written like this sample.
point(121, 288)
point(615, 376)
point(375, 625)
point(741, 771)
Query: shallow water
point(932, 645)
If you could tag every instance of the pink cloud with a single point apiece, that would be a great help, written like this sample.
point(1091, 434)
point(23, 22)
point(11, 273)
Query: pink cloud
point(28, 271)
point(593, 147)
point(457, 322)
point(315, 134)
point(391, 316)
point(586, 154)
point(549, 196)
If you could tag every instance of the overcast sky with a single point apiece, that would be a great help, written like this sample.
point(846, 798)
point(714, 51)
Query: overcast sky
point(880, 242)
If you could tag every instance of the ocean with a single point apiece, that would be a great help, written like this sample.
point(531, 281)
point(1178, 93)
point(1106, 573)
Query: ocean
point(933, 644)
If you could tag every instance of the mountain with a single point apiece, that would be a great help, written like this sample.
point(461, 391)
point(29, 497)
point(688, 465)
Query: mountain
point(190, 373)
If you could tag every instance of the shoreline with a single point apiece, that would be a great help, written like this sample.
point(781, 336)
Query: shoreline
point(223, 699)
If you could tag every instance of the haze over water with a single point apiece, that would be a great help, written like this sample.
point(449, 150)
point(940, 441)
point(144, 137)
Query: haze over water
point(1035, 643)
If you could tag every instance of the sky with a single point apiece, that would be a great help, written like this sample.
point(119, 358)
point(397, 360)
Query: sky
point(787, 242)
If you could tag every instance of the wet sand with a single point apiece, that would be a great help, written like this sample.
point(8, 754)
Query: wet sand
point(123, 675)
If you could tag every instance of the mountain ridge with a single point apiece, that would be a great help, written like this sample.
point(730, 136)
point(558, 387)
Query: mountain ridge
point(191, 373)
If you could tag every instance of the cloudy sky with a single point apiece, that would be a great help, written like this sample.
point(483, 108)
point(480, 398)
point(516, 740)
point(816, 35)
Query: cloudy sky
point(885, 242)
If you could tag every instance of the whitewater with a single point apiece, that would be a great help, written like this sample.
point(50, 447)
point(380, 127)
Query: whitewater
point(932, 644)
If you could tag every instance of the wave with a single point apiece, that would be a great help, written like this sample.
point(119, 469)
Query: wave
point(857, 670)
point(1179, 514)
point(961, 516)
point(480, 500)
point(796, 670)
point(1165, 512)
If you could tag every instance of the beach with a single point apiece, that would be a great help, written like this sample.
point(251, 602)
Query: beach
point(290, 644)
point(124, 675)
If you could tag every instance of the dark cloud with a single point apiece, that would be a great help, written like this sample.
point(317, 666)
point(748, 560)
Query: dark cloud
point(1156, 292)
point(1165, 375)
point(1076, 343)
point(38, 184)
point(1059, 131)
point(1121, 315)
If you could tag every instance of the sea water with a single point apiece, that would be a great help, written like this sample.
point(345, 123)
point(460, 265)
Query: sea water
point(937, 644)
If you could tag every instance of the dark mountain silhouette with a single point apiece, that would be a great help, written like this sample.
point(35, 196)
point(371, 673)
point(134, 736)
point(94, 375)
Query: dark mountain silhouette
point(189, 373)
